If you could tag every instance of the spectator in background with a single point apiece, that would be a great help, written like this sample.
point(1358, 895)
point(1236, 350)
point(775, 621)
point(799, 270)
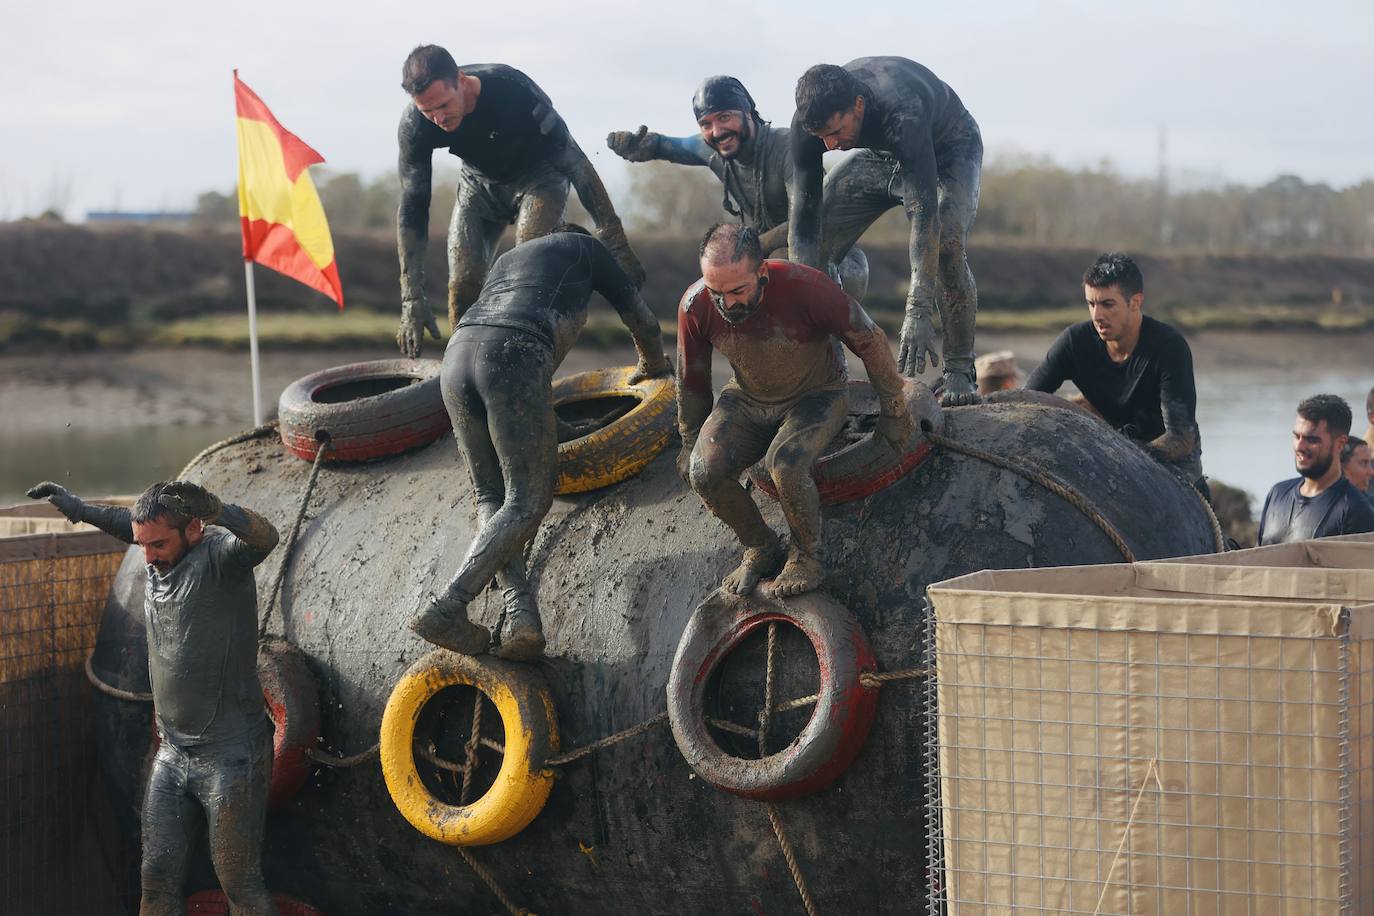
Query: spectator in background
point(1320, 502)
point(996, 371)
point(1134, 371)
point(1369, 414)
point(1355, 464)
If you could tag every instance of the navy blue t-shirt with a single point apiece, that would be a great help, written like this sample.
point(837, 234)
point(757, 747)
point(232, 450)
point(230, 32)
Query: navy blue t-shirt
point(1289, 516)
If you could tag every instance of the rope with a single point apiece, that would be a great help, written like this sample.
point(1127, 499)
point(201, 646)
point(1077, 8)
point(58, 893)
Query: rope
point(295, 531)
point(491, 884)
point(324, 759)
point(1151, 770)
point(470, 749)
point(786, 846)
point(879, 678)
point(1046, 480)
point(630, 732)
point(1217, 534)
point(766, 713)
point(256, 432)
point(110, 689)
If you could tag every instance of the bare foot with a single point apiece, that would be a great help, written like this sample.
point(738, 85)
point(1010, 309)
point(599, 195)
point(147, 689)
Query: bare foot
point(757, 563)
point(802, 573)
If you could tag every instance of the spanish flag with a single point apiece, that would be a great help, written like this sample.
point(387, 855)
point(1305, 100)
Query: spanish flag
point(283, 223)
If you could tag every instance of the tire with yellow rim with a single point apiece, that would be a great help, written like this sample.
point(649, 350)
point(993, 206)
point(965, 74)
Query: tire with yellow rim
point(517, 795)
point(626, 445)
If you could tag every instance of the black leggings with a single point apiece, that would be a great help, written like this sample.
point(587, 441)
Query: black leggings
point(496, 384)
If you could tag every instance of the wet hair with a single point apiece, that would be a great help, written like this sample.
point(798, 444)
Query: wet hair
point(571, 227)
point(148, 509)
point(1348, 452)
point(1115, 269)
point(1329, 407)
point(425, 65)
point(723, 93)
point(825, 90)
point(732, 240)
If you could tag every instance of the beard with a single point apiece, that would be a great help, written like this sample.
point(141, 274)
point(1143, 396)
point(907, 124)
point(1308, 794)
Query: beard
point(1317, 469)
point(742, 311)
point(733, 135)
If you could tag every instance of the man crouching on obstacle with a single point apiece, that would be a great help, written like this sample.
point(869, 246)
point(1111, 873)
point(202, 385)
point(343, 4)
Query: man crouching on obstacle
point(214, 760)
point(787, 401)
point(496, 382)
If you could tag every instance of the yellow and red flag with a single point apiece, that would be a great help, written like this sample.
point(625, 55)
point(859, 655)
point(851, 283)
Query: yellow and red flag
point(283, 222)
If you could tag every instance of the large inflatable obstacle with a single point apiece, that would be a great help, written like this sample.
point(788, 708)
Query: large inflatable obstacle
point(677, 751)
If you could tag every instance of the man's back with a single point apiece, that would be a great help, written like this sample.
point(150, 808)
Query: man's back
point(1289, 516)
point(907, 96)
point(543, 286)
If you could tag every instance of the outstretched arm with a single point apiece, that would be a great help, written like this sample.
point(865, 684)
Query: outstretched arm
point(804, 198)
point(610, 281)
point(1055, 369)
point(644, 145)
point(916, 153)
point(412, 236)
point(113, 520)
point(573, 163)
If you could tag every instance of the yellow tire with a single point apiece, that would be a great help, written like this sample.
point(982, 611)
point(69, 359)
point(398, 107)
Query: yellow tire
point(623, 447)
point(523, 784)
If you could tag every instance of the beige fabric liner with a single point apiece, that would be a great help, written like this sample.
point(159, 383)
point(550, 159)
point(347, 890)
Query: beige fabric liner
point(1171, 737)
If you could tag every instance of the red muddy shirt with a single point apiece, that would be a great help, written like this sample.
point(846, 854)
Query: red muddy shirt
point(781, 351)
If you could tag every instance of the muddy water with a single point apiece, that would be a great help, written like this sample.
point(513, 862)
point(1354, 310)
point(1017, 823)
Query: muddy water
point(1248, 385)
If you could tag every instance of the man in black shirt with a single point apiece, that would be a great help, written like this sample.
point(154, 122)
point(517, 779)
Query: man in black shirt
point(896, 107)
point(1320, 503)
point(1135, 371)
point(496, 382)
point(518, 160)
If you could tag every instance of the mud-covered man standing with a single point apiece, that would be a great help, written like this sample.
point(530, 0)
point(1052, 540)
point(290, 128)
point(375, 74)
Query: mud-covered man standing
point(214, 760)
point(774, 322)
point(896, 106)
point(496, 382)
point(518, 160)
point(753, 160)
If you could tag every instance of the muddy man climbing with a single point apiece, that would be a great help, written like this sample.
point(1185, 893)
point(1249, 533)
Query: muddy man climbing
point(496, 382)
point(773, 321)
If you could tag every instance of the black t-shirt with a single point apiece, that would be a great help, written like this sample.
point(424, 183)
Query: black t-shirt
point(1150, 393)
point(544, 284)
point(512, 129)
point(1289, 516)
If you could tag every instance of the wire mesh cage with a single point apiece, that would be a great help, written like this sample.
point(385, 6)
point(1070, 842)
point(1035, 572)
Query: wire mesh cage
point(1154, 738)
point(52, 855)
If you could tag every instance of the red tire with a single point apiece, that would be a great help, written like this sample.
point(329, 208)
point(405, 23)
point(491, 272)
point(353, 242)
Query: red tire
point(293, 702)
point(214, 903)
point(839, 722)
point(369, 410)
point(863, 467)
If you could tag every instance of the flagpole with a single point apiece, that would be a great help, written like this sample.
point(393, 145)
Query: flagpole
point(253, 341)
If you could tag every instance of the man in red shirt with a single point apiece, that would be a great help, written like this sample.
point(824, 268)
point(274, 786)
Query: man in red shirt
point(774, 322)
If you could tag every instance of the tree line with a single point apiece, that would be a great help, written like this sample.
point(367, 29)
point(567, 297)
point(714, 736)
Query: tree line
point(1025, 199)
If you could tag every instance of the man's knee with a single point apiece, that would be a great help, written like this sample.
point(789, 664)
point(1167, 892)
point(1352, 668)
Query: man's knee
point(789, 467)
point(709, 468)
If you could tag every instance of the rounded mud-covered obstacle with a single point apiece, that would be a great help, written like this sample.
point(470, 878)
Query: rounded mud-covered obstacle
point(859, 462)
point(519, 790)
point(368, 410)
point(839, 723)
point(214, 903)
point(637, 423)
point(293, 702)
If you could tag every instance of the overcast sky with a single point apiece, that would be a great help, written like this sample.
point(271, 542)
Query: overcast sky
point(129, 105)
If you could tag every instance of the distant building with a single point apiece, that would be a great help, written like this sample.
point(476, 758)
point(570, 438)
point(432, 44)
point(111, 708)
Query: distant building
point(142, 217)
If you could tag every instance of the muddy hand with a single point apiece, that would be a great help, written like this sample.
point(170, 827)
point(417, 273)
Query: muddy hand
point(918, 342)
point(67, 503)
point(189, 499)
point(896, 429)
point(633, 146)
point(416, 319)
